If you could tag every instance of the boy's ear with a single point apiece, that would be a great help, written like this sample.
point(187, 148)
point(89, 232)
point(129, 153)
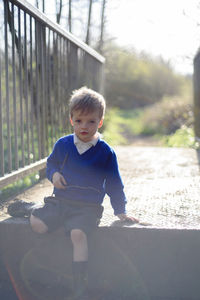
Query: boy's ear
point(71, 122)
point(100, 123)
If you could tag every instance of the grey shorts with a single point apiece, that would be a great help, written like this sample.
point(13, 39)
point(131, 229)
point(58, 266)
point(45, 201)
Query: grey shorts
point(57, 212)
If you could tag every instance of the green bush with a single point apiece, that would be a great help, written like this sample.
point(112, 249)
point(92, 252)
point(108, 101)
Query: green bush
point(113, 128)
point(183, 137)
point(120, 126)
point(167, 116)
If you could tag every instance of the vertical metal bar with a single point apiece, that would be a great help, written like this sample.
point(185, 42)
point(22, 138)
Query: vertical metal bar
point(56, 98)
point(43, 89)
point(31, 91)
point(63, 63)
point(27, 122)
point(54, 85)
point(37, 45)
point(67, 90)
point(53, 88)
point(66, 69)
point(49, 108)
point(74, 66)
point(60, 85)
point(1, 127)
point(46, 94)
point(55, 51)
point(21, 90)
point(69, 65)
point(94, 72)
point(7, 91)
point(102, 79)
point(14, 91)
point(64, 90)
point(78, 66)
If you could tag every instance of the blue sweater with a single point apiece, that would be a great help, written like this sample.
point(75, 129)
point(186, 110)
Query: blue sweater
point(89, 176)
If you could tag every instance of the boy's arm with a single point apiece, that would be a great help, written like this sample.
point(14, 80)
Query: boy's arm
point(115, 189)
point(59, 181)
point(53, 168)
point(114, 186)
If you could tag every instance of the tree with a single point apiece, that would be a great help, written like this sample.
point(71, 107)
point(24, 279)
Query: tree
point(59, 5)
point(102, 27)
point(137, 79)
point(70, 15)
point(43, 5)
point(87, 40)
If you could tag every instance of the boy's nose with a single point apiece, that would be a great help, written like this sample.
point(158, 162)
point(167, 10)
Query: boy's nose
point(84, 125)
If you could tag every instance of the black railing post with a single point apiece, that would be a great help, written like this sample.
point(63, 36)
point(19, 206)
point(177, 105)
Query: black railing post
point(196, 88)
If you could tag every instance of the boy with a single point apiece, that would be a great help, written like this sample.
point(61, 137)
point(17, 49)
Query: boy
point(82, 168)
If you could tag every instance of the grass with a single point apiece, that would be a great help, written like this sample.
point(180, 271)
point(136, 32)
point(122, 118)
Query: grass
point(183, 137)
point(18, 186)
point(121, 126)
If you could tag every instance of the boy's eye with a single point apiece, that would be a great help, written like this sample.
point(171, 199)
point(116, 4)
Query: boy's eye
point(78, 121)
point(92, 121)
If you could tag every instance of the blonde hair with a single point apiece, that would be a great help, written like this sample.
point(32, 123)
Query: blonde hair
point(87, 100)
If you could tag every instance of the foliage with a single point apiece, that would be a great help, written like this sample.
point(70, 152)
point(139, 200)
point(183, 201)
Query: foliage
point(113, 128)
point(136, 80)
point(183, 137)
point(18, 186)
point(120, 126)
point(168, 115)
point(170, 120)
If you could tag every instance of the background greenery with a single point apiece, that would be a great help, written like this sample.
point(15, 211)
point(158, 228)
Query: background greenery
point(146, 97)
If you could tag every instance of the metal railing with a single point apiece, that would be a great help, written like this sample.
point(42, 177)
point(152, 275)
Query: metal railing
point(40, 64)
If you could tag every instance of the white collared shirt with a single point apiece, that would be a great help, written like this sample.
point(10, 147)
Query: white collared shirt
point(83, 147)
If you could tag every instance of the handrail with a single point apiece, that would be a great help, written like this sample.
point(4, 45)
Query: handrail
point(55, 26)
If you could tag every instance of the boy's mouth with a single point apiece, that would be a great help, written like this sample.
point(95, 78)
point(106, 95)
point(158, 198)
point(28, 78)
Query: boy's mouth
point(84, 133)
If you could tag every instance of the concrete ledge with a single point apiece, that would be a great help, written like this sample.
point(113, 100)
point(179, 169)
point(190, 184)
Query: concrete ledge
point(125, 263)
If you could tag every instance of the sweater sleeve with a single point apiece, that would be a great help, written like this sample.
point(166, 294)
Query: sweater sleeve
point(53, 161)
point(114, 186)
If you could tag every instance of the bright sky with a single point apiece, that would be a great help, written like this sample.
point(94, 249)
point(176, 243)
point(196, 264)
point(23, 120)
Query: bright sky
point(168, 28)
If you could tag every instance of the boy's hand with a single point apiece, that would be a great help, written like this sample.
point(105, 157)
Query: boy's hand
point(124, 217)
point(59, 181)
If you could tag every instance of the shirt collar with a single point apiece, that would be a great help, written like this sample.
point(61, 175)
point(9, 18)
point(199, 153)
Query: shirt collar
point(93, 142)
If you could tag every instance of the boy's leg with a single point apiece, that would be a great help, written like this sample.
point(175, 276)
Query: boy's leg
point(80, 264)
point(38, 225)
point(46, 218)
point(81, 221)
point(80, 245)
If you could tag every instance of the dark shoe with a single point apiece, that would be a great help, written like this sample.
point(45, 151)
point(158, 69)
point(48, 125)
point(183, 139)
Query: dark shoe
point(20, 208)
point(81, 295)
point(80, 281)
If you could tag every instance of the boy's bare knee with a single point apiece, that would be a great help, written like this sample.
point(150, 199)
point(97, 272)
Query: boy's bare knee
point(37, 225)
point(78, 236)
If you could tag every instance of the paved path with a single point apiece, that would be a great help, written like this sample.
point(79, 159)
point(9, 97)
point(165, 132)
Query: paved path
point(162, 186)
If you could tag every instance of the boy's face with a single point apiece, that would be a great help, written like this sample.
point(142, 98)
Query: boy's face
point(86, 124)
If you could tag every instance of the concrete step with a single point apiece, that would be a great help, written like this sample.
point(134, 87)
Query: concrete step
point(125, 263)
